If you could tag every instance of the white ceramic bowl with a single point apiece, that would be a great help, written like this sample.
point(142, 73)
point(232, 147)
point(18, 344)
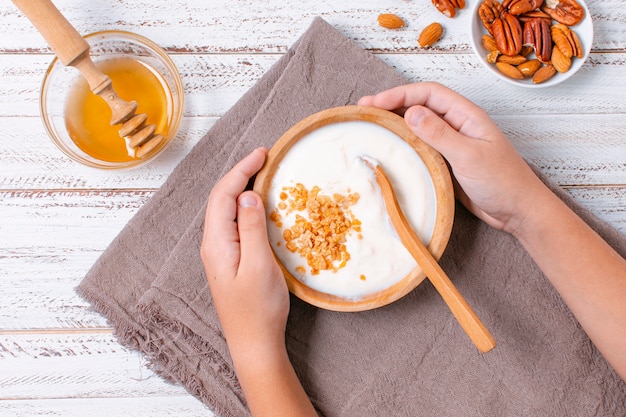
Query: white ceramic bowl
point(584, 30)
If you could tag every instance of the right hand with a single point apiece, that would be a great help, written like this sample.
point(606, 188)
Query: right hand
point(492, 180)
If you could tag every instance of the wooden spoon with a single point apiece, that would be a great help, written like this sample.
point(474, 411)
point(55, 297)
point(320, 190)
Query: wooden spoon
point(72, 50)
point(462, 311)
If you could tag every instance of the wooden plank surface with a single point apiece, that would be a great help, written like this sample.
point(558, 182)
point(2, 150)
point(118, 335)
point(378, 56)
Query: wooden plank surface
point(250, 26)
point(180, 406)
point(573, 149)
point(58, 357)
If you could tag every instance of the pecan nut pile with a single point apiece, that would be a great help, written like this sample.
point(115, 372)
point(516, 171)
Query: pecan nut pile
point(517, 28)
point(504, 27)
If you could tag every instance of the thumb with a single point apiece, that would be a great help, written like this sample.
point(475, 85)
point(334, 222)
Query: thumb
point(435, 131)
point(252, 225)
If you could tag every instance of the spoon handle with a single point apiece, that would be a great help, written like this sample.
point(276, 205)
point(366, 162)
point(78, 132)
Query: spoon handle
point(464, 314)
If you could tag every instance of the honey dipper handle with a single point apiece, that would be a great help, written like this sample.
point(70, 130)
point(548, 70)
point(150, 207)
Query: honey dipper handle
point(66, 42)
point(464, 314)
point(68, 45)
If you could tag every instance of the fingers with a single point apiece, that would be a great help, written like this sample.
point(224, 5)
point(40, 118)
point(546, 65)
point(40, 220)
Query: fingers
point(222, 207)
point(444, 119)
point(456, 110)
point(220, 237)
point(252, 226)
point(437, 133)
point(227, 189)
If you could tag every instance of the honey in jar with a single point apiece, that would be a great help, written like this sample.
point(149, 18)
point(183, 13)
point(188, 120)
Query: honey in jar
point(88, 116)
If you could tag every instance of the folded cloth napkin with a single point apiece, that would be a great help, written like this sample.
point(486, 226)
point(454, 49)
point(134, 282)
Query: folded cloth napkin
point(406, 359)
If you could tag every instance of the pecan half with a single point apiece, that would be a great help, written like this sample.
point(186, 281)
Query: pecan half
point(535, 13)
point(448, 7)
point(537, 33)
point(489, 11)
point(568, 12)
point(507, 32)
point(518, 7)
point(566, 40)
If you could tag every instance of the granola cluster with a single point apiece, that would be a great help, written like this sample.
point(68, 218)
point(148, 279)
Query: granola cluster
point(321, 226)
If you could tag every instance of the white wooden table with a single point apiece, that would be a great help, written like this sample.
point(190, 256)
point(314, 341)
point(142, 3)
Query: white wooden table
point(59, 358)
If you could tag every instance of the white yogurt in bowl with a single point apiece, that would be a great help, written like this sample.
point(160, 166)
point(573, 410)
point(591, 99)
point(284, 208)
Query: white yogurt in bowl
point(330, 158)
point(320, 182)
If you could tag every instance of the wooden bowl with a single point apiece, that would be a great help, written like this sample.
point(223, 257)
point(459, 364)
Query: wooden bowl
point(442, 184)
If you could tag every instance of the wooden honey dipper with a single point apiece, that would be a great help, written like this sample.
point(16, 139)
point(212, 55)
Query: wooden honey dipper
point(73, 50)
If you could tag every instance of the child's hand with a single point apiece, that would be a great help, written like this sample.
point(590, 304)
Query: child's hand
point(246, 283)
point(493, 181)
point(250, 294)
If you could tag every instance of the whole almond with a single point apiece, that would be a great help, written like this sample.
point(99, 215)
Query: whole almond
point(390, 21)
point(509, 70)
point(561, 62)
point(544, 74)
point(529, 68)
point(430, 34)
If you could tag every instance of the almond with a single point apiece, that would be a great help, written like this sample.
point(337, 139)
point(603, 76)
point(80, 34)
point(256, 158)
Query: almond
point(430, 35)
point(529, 68)
point(561, 62)
point(509, 70)
point(390, 21)
point(544, 74)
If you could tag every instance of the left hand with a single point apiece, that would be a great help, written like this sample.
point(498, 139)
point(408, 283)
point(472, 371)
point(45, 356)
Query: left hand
point(246, 283)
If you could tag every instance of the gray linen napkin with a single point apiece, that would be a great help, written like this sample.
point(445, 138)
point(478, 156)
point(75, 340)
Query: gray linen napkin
point(407, 359)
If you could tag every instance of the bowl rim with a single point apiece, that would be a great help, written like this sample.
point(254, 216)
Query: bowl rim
point(176, 116)
point(481, 52)
point(442, 185)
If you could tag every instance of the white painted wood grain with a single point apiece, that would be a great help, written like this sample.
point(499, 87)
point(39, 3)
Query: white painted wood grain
point(608, 203)
point(273, 25)
point(59, 358)
point(183, 406)
point(75, 365)
point(56, 236)
point(41, 370)
point(213, 83)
